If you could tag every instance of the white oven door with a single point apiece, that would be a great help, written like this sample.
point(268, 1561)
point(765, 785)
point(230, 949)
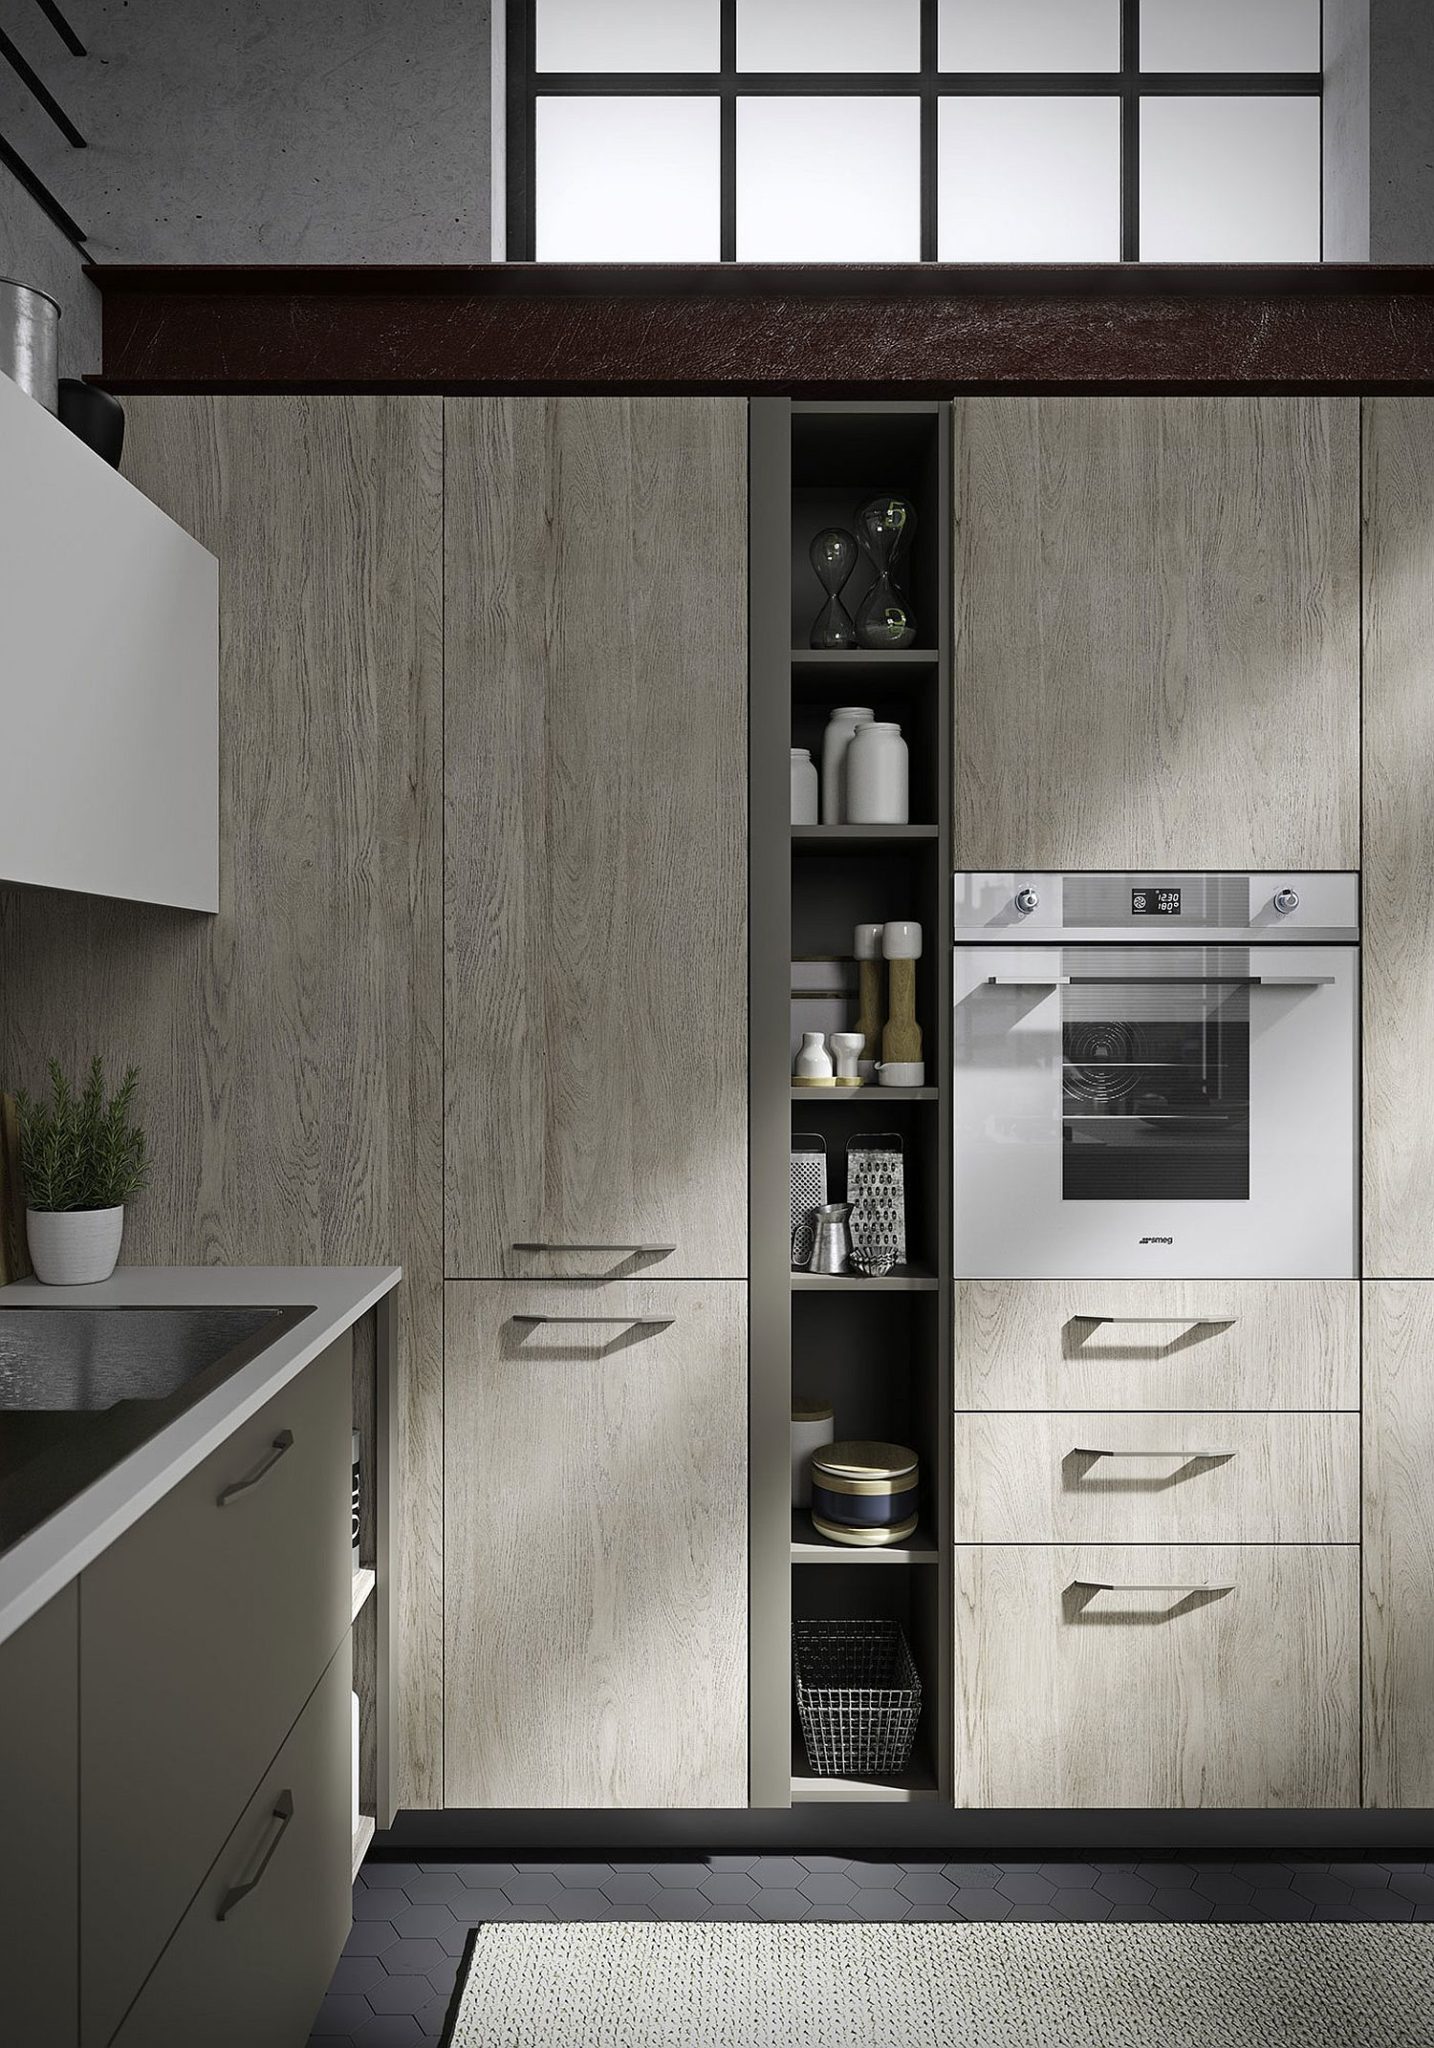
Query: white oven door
point(1177, 1111)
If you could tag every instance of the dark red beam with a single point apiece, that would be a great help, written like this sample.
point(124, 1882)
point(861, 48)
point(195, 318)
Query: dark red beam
point(914, 330)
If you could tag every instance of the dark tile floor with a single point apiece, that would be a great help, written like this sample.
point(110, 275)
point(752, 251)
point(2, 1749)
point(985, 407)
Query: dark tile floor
point(411, 1920)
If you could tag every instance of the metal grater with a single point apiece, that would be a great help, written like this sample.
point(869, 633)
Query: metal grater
point(809, 1191)
point(876, 1190)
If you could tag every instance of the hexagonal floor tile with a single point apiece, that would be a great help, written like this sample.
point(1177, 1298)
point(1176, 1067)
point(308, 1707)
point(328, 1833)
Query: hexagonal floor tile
point(981, 1876)
point(1025, 1887)
point(379, 1905)
point(777, 1873)
point(423, 1923)
point(401, 1994)
point(431, 1888)
point(390, 2030)
point(341, 2012)
point(533, 1888)
point(1275, 1902)
point(356, 1973)
point(631, 1887)
point(779, 1902)
point(1070, 1876)
point(875, 1877)
point(729, 1888)
point(680, 1905)
point(414, 1958)
point(1077, 1902)
point(370, 1938)
point(828, 1888)
point(1124, 1888)
point(926, 1888)
point(981, 1902)
point(880, 1903)
point(823, 1862)
point(680, 1877)
point(1166, 1876)
point(1369, 1877)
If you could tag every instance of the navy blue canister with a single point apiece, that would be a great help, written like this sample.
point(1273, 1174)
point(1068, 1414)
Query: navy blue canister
point(865, 1493)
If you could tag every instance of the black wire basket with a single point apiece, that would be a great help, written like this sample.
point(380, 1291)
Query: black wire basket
point(858, 1696)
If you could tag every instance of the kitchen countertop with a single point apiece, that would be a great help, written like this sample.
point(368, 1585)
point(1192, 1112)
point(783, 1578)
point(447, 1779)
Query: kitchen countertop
point(36, 1567)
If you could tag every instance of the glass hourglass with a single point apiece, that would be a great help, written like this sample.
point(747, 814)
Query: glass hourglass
point(884, 528)
point(833, 555)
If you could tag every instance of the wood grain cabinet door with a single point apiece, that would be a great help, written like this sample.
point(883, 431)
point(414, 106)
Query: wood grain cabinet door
point(596, 836)
point(1398, 839)
point(1398, 1543)
point(1179, 1675)
point(596, 1557)
point(1157, 648)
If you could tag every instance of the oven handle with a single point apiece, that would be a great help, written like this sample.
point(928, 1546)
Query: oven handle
point(1160, 981)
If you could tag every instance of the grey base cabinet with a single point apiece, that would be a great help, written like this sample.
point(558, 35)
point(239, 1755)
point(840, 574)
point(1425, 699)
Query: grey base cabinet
point(39, 1816)
point(596, 1555)
point(1398, 1544)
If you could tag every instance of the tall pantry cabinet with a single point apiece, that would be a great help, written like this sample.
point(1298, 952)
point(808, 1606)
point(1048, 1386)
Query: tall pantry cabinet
point(595, 1549)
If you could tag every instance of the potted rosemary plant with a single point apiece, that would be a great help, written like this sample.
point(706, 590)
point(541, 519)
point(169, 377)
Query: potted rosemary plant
point(82, 1156)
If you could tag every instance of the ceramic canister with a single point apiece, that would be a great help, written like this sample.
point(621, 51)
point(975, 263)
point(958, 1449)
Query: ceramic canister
point(813, 1428)
point(806, 785)
point(877, 775)
point(842, 723)
point(865, 1493)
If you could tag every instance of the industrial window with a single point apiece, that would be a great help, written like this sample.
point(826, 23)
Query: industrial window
point(959, 131)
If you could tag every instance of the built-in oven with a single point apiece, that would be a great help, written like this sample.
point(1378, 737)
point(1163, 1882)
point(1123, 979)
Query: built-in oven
point(1156, 1075)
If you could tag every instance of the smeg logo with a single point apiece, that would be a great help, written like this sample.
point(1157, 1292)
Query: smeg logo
point(1157, 1240)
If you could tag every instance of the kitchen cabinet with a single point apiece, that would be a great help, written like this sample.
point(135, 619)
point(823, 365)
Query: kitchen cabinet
point(1398, 1544)
point(1398, 839)
point(204, 1629)
point(1157, 633)
point(1157, 1344)
point(109, 695)
point(39, 1799)
point(1181, 1675)
point(595, 661)
point(596, 1545)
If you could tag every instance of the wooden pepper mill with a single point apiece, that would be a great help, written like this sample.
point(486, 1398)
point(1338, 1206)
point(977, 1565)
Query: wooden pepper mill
point(901, 1038)
point(867, 947)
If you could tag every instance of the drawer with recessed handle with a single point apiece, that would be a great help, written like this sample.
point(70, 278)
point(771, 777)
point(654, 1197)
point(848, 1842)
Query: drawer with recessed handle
point(1083, 1476)
point(1252, 1344)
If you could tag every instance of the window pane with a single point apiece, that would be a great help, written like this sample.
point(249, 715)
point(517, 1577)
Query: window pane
point(828, 180)
point(1230, 180)
point(1028, 181)
point(627, 180)
point(1229, 35)
point(629, 35)
point(828, 35)
point(1029, 35)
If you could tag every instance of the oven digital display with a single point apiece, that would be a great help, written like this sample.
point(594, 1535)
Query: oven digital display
point(1155, 902)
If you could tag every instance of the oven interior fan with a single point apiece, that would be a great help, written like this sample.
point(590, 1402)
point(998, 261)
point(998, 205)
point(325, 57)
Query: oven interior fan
point(1104, 1062)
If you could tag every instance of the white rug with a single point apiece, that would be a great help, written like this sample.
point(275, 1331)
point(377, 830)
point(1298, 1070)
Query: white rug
point(937, 1985)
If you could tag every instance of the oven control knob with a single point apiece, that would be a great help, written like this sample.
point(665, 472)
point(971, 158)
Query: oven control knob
point(1026, 900)
point(1286, 900)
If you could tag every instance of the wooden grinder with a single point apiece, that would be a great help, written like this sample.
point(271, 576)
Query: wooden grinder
point(867, 947)
point(901, 1039)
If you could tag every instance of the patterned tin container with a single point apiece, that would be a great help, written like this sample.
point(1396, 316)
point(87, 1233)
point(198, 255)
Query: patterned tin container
point(865, 1493)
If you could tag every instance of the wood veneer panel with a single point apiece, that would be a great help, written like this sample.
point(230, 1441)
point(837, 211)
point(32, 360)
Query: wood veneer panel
point(596, 834)
point(1157, 649)
point(1398, 1544)
point(290, 1047)
point(597, 1546)
point(1398, 839)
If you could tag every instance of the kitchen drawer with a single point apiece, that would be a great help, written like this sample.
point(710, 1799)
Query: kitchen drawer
point(1095, 1676)
point(1086, 1477)
point(258, 1974)
point(1157, 1344)
point(202, 1632)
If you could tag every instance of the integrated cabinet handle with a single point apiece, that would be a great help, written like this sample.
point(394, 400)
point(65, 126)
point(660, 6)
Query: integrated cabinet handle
point(1181, 1592)
point(283, 1813)
point(1188, 1457)
point(1195, 981)
point(1177, 1322)
point(628, 1322)
point(284, 1441)
point(652, 1251)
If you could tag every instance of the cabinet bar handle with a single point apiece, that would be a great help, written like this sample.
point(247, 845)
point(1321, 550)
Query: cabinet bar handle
point(1177, 1322)
point(628, 1322)
point(283, 1813)
point(284, 1441)
point(1116, 1586)
point(1090, 1451)
point(651, 1250)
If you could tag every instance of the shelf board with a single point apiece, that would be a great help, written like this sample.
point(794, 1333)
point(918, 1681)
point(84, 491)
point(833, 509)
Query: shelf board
point(904, 1789)
point(365, 1579)
point(847, 838)
point(810, 1548)
point(363, 1835)
point(852, 658)
point(825, 1097)
point(902, 1280)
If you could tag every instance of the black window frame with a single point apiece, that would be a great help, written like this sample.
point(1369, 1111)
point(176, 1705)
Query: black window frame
point(928, 84)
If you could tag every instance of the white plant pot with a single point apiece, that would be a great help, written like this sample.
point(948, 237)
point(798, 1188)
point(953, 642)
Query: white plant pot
point(74, 1247)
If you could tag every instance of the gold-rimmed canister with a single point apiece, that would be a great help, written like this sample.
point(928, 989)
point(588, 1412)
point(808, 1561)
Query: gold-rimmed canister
point(865, 1493)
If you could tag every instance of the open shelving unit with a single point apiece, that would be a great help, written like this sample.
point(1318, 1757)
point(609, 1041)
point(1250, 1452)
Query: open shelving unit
point(878, 1350)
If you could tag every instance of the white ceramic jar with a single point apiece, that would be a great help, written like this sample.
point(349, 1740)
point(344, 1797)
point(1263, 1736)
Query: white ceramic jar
point(814, 1062)
point(805, 787)
point(813, 1428)
point(835, 741)
point(877, 776)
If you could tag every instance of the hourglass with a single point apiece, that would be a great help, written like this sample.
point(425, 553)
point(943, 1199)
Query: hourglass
point(833, 554)
point(884, 528)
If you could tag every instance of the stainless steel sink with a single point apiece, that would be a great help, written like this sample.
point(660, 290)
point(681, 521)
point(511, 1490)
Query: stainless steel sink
point(78, 1359)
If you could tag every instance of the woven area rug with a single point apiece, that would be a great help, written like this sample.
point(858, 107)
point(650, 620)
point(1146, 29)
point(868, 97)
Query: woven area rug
point(928, 1985)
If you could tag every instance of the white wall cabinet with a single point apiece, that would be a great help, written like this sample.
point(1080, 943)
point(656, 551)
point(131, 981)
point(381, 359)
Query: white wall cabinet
point(109, 678)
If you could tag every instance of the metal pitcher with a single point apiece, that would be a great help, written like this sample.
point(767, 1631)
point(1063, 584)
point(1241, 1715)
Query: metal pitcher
point(833, 1246)
point(29, 341)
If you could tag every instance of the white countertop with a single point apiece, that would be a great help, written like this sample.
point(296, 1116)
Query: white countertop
point(36, 1568)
